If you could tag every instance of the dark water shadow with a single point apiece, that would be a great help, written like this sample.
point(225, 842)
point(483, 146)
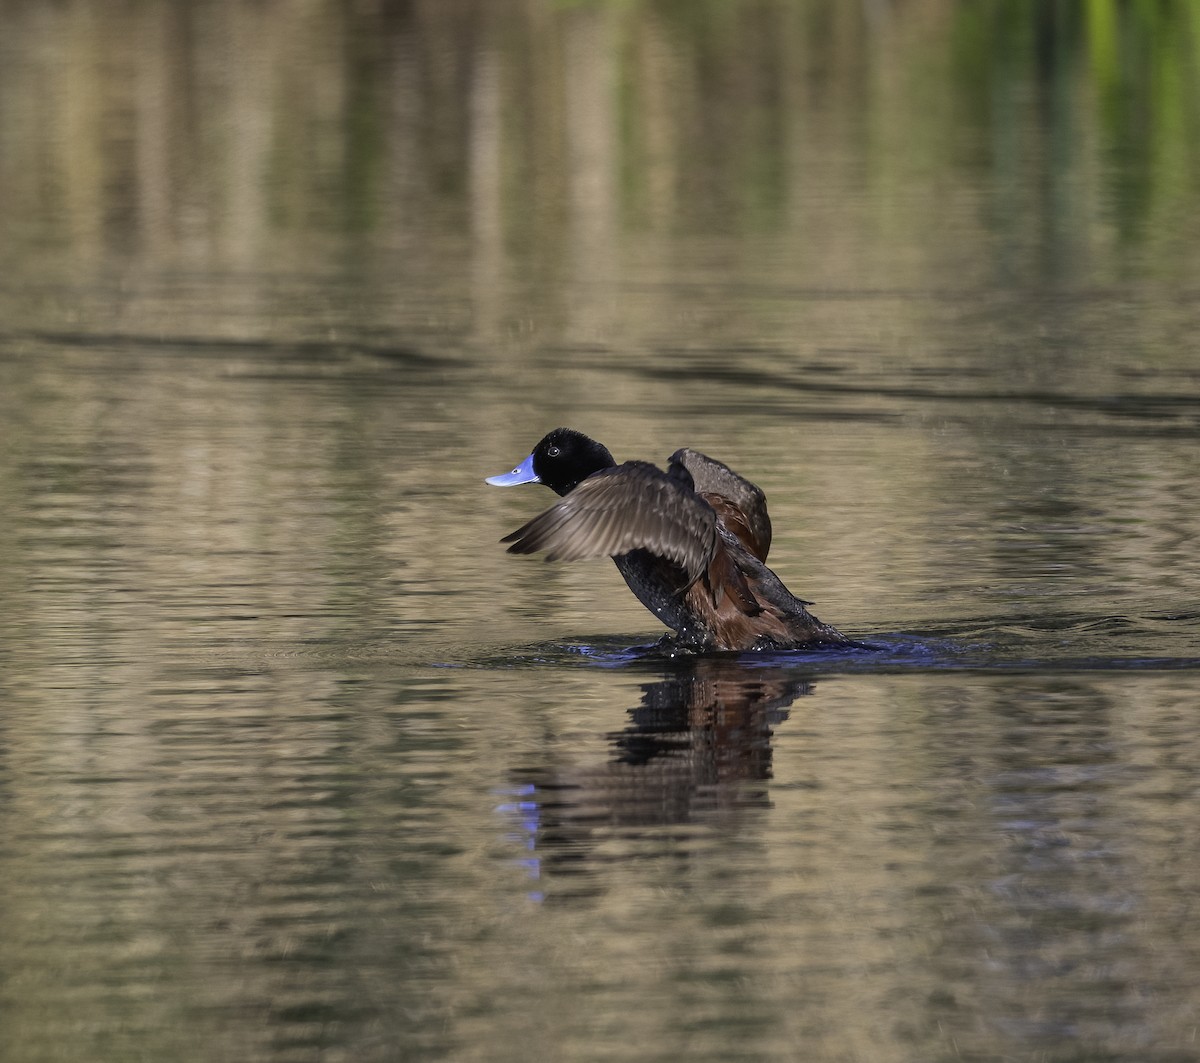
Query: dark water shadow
point(1018, 642)
point(695, 748)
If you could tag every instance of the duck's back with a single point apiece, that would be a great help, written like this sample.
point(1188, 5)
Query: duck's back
point(772, 615)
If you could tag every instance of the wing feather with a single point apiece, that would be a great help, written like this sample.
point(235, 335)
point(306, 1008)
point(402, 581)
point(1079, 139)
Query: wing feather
point(740, 504)
point(634, 506)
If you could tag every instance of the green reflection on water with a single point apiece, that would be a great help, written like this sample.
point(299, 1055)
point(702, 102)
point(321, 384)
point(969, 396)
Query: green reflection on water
point(205, 134)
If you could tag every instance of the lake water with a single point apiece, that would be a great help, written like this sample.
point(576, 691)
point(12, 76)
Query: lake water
point(296, 763)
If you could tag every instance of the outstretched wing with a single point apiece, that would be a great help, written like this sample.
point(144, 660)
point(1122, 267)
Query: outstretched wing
point(634, 506)
point(740, 504)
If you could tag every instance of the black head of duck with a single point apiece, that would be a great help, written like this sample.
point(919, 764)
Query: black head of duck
point(691, 542)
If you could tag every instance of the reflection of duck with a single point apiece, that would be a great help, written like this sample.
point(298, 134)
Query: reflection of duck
point(716, 713)
point(697, 745)
point(690, 542)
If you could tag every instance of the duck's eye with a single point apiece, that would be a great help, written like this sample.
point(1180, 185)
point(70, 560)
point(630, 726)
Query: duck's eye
point(552, 452)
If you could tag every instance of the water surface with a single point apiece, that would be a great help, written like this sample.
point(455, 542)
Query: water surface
point(297, 764)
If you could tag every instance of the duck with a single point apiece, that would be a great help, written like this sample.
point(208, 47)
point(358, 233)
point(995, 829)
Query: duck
point(691, 542)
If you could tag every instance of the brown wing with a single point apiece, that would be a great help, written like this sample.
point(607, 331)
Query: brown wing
point(634, 506)
point(740, 504)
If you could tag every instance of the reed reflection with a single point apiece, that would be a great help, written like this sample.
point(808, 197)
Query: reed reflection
point(697, 747)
